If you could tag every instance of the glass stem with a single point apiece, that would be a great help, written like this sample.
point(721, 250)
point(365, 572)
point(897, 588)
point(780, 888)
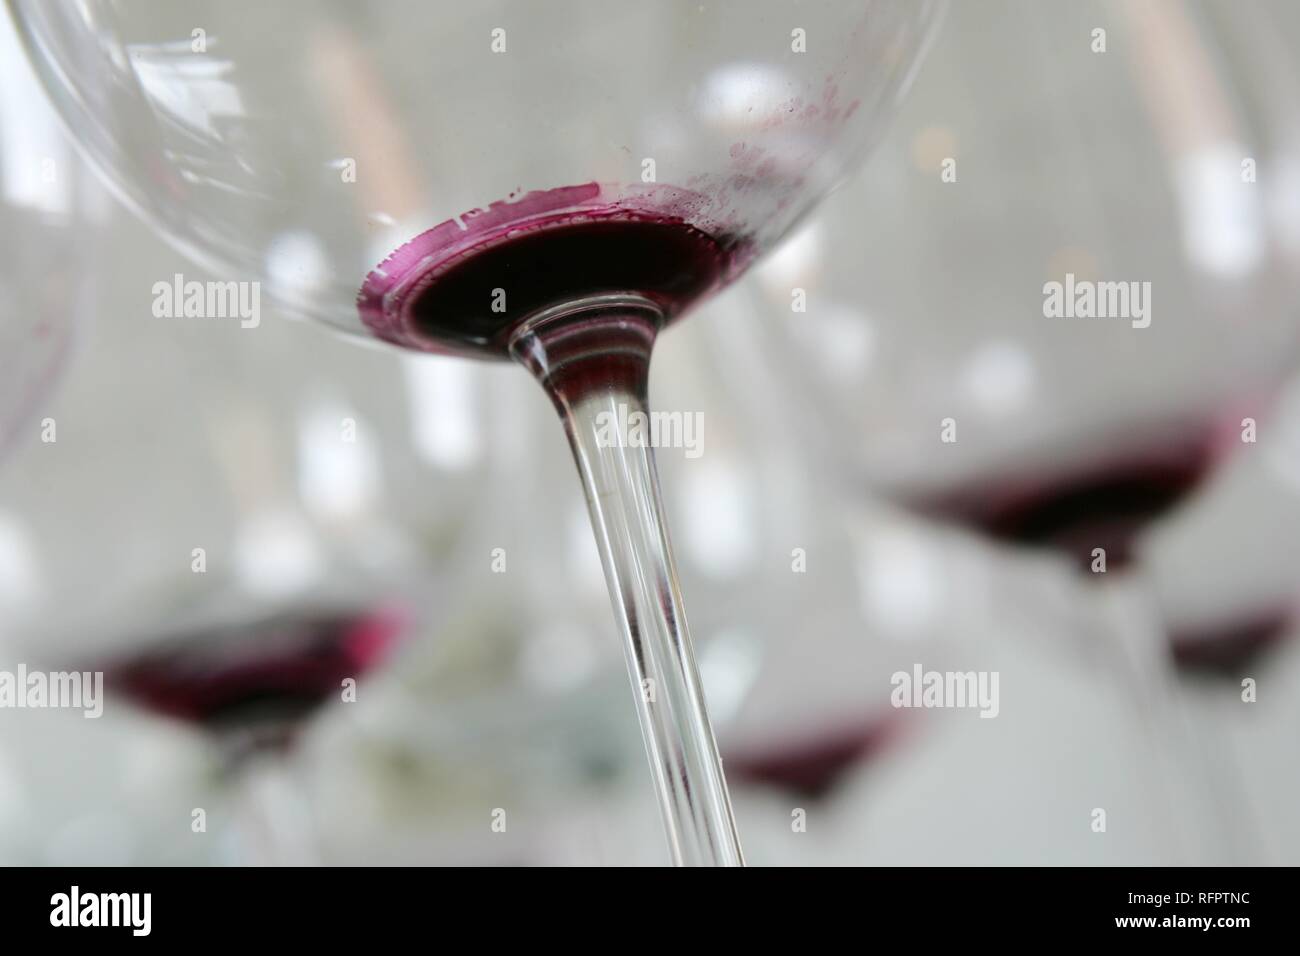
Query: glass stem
point(593, 359)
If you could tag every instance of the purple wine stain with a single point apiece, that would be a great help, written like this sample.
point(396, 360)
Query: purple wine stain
point(1230, 648)
point(465, 284)
point(265, 676)
point(1104, 503)
point(813, 767)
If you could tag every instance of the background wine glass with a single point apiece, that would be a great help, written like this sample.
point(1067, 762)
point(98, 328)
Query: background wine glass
point(1070, 433)
point(252, 685)
point(277, 478)
point(1166, 158)
point(246, 159)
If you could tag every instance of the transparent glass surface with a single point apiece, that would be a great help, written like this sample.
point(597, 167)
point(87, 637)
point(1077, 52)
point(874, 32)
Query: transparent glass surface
point(214, 495)
point(303, 143)
point(51, 210)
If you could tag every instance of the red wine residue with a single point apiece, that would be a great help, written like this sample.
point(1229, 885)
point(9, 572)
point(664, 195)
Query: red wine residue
point(273, 672)
point(813, 766)
point(1229, 648)
point(464, 285)
point(1104, 504)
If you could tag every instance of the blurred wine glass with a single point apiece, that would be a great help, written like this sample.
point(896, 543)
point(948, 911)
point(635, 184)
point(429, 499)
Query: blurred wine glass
point(231, 531)
point(1157, 155)
point(1145, 151)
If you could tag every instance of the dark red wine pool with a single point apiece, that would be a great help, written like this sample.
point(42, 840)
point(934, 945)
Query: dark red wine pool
point(464, 285)
point(272, 672)
point(1100, 504)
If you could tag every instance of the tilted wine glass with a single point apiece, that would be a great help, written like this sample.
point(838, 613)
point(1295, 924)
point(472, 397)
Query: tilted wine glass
point(636, 158)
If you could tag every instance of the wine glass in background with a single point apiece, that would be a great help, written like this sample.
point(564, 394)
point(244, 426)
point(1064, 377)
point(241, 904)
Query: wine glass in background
point(229, 556)
point(1165, 165)
point(611, 188)
point(1055, 148)
point(251, 686)
point(51, 210)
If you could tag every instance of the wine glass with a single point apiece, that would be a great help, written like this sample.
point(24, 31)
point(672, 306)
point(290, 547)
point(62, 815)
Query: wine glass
point(252, 684)
point(1053, 149)
point(618, 165)
point(1064, 432)
point(328, 511)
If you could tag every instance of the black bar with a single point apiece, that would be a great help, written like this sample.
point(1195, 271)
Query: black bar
point(214, 905)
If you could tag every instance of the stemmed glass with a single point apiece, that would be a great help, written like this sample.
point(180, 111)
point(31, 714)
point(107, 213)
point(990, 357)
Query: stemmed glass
point(327, 505)
point(1081, 145)
point(253, 685)
point(1069, 433)
point(620, 163)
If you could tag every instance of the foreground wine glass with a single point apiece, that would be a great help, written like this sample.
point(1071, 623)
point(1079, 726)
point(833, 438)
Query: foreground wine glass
point(621, 163)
